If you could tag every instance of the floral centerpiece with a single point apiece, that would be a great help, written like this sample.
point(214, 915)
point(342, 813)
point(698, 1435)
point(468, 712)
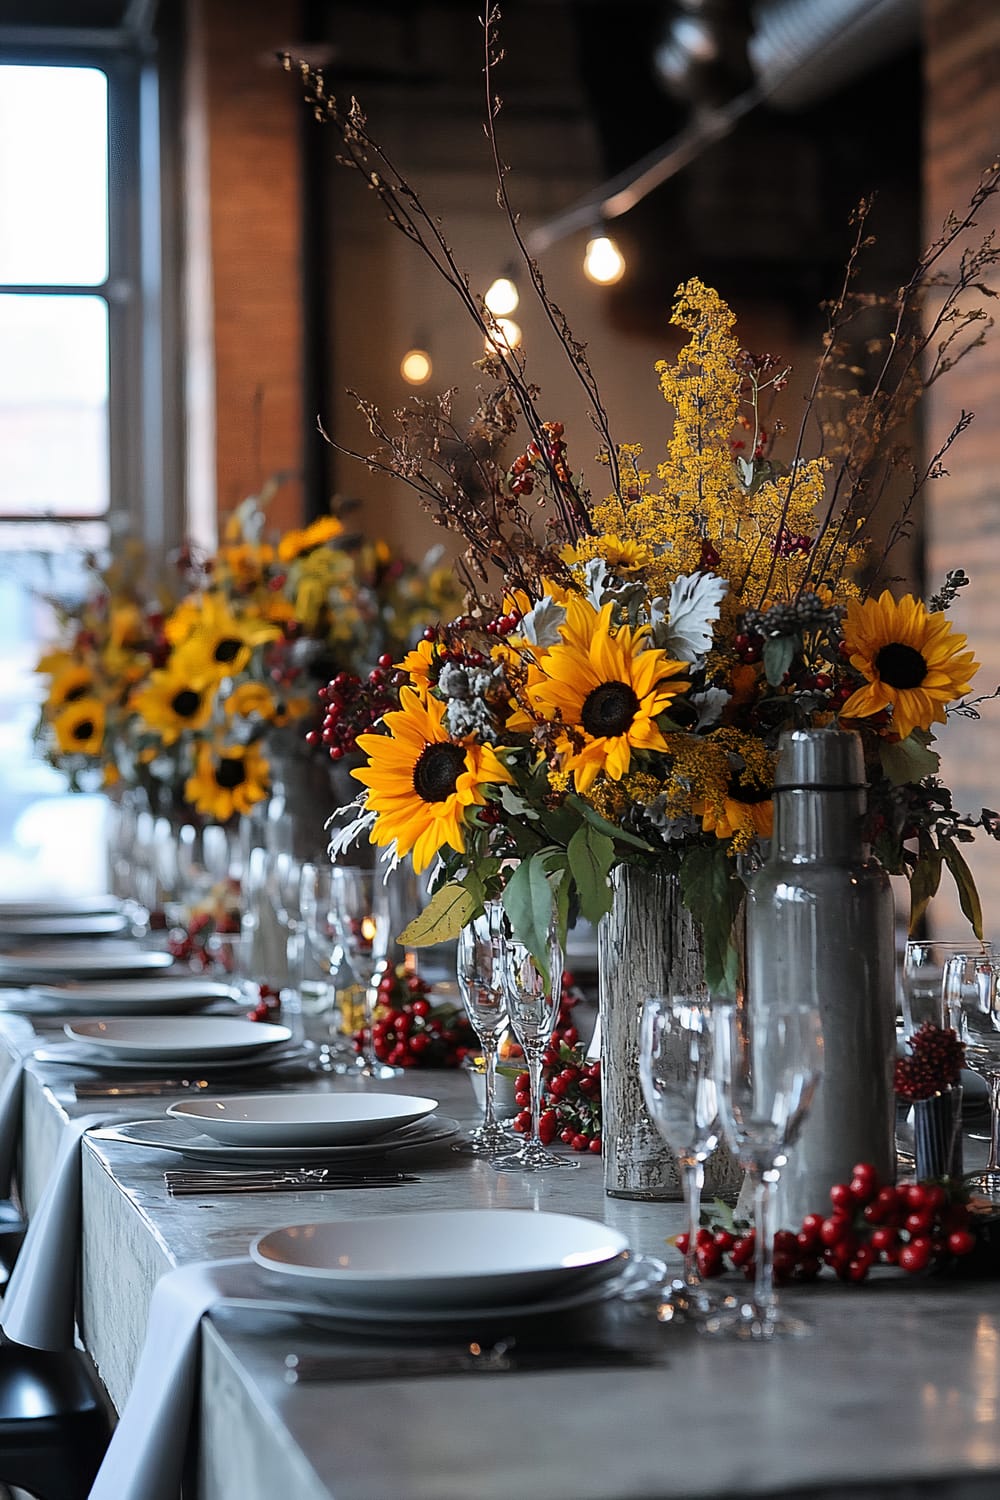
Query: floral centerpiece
point(635, 641)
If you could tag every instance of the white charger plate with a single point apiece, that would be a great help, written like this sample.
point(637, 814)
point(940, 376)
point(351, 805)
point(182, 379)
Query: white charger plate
point(443, 1257)
point(171, 1134)
point(78, 960)
point(137, 997)
point(100, 924)
point(301, 1119)
point(638, 1276)
point(76, 1055)
point(186, 1039)
point(58, 906)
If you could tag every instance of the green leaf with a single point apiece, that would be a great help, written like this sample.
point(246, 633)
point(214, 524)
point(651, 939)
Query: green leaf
point(968, 896)
point(779, 653)
point(442, 919)
point(591, 856)
point(527, 900)
point(909, 760)
point(925, 878)
point(515, 805)
point(712, 892)
point(593, 817)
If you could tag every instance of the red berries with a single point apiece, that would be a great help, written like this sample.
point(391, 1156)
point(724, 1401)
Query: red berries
point(916, 1226)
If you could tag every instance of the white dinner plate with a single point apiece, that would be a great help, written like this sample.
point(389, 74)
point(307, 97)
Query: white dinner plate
point(76, 1055)
point(136, 997)
point(79, 960)
point(171, 1134)
point(638, 1276)
point(58, 906)
point(100, 924)
point(443, 1257)
point(185, 1039)
point(301, 1119)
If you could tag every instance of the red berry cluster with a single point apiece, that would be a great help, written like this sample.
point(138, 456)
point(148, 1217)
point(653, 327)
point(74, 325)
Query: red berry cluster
point(710, 557)
point(268, 1004)
point(935, 1062)
point(791, 544)
point(551, 454)
point(351, 707)
point(915, 1226)
point(571, 1100)
point(749, 646)
point(409, 1031)
point(193, 946)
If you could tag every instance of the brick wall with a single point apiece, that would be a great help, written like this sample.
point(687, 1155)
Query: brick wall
point(961, 138)
point(244, 295)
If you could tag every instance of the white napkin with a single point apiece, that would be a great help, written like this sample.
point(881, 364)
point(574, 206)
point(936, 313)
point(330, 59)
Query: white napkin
point(40, 1301)
point(145, 1459)
point(11, 1088)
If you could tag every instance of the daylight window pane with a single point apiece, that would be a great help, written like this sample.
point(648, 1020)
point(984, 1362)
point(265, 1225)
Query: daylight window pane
point(53, 405)
point(53, 175)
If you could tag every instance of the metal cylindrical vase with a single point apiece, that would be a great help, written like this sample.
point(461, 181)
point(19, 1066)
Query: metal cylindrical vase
point(648, 944)
point(937, 1134)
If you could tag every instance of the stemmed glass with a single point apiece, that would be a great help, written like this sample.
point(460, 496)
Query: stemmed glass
point(321, 925)
point(974, 1009)
point(925, 962)
point(767, 1064)
point(678, 1085)
point(532, 1009)
point(480, 960)
point(360, 910)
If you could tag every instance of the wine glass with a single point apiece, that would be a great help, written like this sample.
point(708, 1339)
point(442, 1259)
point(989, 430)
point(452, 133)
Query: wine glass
point(533, 1009)
point(480, 960)
point(321, 925)
point(768, 1062)
point(678, 1085)
point(923, 978)
point(362, 913)
point(974, 1009)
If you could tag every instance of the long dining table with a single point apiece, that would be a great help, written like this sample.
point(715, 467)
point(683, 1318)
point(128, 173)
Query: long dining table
point(895, 1394)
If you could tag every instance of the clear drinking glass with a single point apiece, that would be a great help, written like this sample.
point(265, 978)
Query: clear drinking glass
point(360, 911)
point(533, 1009)
point(924, 962)
point(678, 1085)
point(768, 1062)
point(321, 926)
point(480, 959)
point(971, 986)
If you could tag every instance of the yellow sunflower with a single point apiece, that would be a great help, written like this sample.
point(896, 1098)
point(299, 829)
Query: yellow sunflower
point(420, 782)
point(622, 555)
point(417, 665)
point(221, 643)
point(294, 543)
point(607, 688)
point(173, 702)
point(914, 662)
point(79, 727)
point(227, 779)
point(738, 817)
point(68, 685)
point(249, 698)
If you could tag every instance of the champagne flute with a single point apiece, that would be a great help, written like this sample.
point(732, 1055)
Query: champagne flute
point(480, 960)
point(974, 1010)
point(321, 931)
point(678, 1085)
point(361, 913)
point(768, 1063)
point(533, 1009)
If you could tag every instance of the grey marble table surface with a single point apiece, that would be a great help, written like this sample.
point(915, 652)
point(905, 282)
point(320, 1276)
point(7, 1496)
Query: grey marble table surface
point(896, 1393)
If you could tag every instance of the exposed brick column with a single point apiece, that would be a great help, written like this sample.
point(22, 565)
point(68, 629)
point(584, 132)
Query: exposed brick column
point(242, 125)
point(961, 138)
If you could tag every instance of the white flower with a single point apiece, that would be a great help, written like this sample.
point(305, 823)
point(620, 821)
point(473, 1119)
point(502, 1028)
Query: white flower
point(682, 624)
point(709, 704)
point(540, 625)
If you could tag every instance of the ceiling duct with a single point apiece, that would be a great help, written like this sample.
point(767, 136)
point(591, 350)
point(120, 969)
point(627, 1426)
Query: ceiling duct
point(802, 51)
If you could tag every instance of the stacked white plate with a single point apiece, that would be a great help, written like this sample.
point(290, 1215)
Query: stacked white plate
point(59, 960)
point(301, 1119)
point(154, 1044)
point(448, 1264)
point(126, 997)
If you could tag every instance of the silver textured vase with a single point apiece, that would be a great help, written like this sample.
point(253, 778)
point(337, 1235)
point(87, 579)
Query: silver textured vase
point(820, 924)
point(648, 944)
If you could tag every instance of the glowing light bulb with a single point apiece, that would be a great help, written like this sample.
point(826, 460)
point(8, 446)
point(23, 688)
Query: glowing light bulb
point(603, 262)
point(502, 297)
point(506, 335)
point(368, 929)
point(415, 367)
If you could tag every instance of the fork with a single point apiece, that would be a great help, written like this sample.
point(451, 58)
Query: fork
point(183, 1183)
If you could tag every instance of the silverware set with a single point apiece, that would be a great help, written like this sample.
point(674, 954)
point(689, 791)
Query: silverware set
point(190, 1182)
point(149, 1088)
point(504, 1357)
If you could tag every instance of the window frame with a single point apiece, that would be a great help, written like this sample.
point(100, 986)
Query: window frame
point(139, 477)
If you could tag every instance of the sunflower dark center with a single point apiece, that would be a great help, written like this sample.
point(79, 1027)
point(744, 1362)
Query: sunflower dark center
point(83, 730)
point(80, 691)
point(901, 666)
point(231, 772)
point(186, 703)
point(227, 649)
point(750, 795)
point(437, 770)
point(609, 709)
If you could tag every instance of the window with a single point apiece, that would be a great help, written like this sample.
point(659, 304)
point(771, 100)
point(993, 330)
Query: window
point(77, 401)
